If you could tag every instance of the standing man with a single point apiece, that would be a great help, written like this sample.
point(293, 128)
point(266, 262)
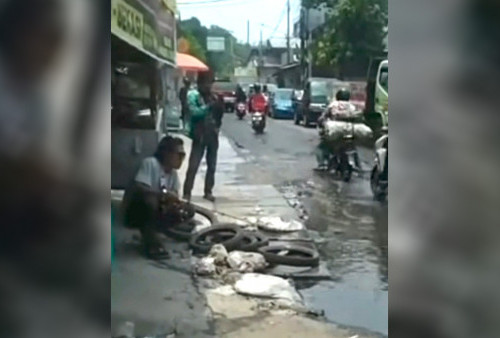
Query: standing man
point(206, 112)
point(183, 98)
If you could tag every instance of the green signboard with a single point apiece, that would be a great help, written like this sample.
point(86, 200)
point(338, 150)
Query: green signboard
point(148, 25)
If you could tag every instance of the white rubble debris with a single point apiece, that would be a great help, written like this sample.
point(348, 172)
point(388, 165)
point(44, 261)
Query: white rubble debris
point(277, 224)
point(219, 253)
point(254, 284)
point(246, 261)
point(205, 266)
point(219, 262)
point(225, 290)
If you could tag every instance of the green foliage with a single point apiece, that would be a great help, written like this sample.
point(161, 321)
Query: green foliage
point(222, 63)
point(353, 32)
point(195, 49)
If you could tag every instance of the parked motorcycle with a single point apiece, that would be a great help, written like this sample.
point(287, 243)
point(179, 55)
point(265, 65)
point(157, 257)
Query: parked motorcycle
point(379, 179)
point(241, 110)
point(258, 122)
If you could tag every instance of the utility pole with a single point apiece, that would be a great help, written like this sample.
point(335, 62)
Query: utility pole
point(259, 67)
point(248, 32)
point(302, 46)
point(288, 32)
point(309, 45)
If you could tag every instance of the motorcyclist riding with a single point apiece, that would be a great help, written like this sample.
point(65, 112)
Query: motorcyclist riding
point(336, 108)
point(240, 95)
point(258, 102)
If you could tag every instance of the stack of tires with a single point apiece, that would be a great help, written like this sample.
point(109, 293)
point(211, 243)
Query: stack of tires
point(232, 237)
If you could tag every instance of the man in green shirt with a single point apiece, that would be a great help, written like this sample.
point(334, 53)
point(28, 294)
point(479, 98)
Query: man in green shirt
point(206, 112)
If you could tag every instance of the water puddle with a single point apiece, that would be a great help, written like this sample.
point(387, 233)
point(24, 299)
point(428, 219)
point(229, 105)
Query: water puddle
point(350, 232)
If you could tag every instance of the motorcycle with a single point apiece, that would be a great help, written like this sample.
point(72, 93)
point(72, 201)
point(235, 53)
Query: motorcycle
point(258, 122)
point(241, 110)
point(379, 178)
point(345, 159)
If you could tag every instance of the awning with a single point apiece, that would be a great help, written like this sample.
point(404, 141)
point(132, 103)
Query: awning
point(190, 63)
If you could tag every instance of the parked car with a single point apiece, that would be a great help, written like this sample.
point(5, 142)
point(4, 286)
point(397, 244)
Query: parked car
point(282, 103)
point(271, 89)
point(227, 91)
point(318, 93)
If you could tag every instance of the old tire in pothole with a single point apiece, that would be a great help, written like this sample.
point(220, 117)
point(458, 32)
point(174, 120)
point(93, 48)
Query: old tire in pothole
point(207, 213)
point(252, 241)
point(183, 231)
point(202, 242)
point(294, 255)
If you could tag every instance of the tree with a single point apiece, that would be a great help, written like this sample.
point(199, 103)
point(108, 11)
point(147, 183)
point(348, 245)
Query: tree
point(221, 63)
point(192, 46)
point(353, 32)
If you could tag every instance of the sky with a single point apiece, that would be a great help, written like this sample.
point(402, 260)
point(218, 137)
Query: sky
point(233, 15)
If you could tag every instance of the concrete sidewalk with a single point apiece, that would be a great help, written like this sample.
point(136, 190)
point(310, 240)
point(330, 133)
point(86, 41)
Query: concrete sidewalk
point(234, 194)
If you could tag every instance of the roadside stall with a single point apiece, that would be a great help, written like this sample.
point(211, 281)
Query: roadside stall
point(143, 35)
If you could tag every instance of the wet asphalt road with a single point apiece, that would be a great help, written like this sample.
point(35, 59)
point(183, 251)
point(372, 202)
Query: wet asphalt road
point(350, 226)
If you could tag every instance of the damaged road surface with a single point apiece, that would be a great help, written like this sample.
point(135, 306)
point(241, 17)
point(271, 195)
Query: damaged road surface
point(348, 227)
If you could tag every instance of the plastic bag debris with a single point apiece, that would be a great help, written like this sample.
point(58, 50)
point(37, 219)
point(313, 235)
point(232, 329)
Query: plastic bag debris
point(205, 266)
point(226, 290)
point(219, 253)
point(259, 285)
point(246, 261)
point(277, 224)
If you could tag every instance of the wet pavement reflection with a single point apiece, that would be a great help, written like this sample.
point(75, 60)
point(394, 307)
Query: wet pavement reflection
point(348, 225)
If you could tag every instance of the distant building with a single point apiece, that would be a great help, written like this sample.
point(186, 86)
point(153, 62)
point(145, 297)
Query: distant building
point(274, 56)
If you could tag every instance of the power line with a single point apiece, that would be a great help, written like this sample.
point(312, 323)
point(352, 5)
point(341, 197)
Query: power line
point(211, 3)
point(279, 22)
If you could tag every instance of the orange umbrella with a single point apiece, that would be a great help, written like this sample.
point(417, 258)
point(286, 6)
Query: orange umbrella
point(190, 63)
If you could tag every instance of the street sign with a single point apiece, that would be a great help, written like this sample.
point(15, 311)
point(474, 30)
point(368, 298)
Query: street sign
point(216, 44)
point(147, 25)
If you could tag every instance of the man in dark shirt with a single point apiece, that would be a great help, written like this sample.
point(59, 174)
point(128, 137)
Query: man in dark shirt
point(206, 111)
point(183, 98)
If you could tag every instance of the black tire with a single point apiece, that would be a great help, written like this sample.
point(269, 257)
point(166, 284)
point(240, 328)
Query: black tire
point(378, 194)
point(306, 257)
point(198, 244)
point(207, 213)
point(180, 234)
point(252, 241)
point(347, 173)
point(183, 231)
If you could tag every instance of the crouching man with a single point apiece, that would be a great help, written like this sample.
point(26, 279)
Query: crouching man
point(153, 195)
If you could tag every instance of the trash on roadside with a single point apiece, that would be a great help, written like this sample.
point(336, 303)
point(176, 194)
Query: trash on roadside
point(225, 290)
point(277, 224)
point(260, 285)
point(246, 261)
point(218, 263)
point(205, 266)
point(219, 253)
